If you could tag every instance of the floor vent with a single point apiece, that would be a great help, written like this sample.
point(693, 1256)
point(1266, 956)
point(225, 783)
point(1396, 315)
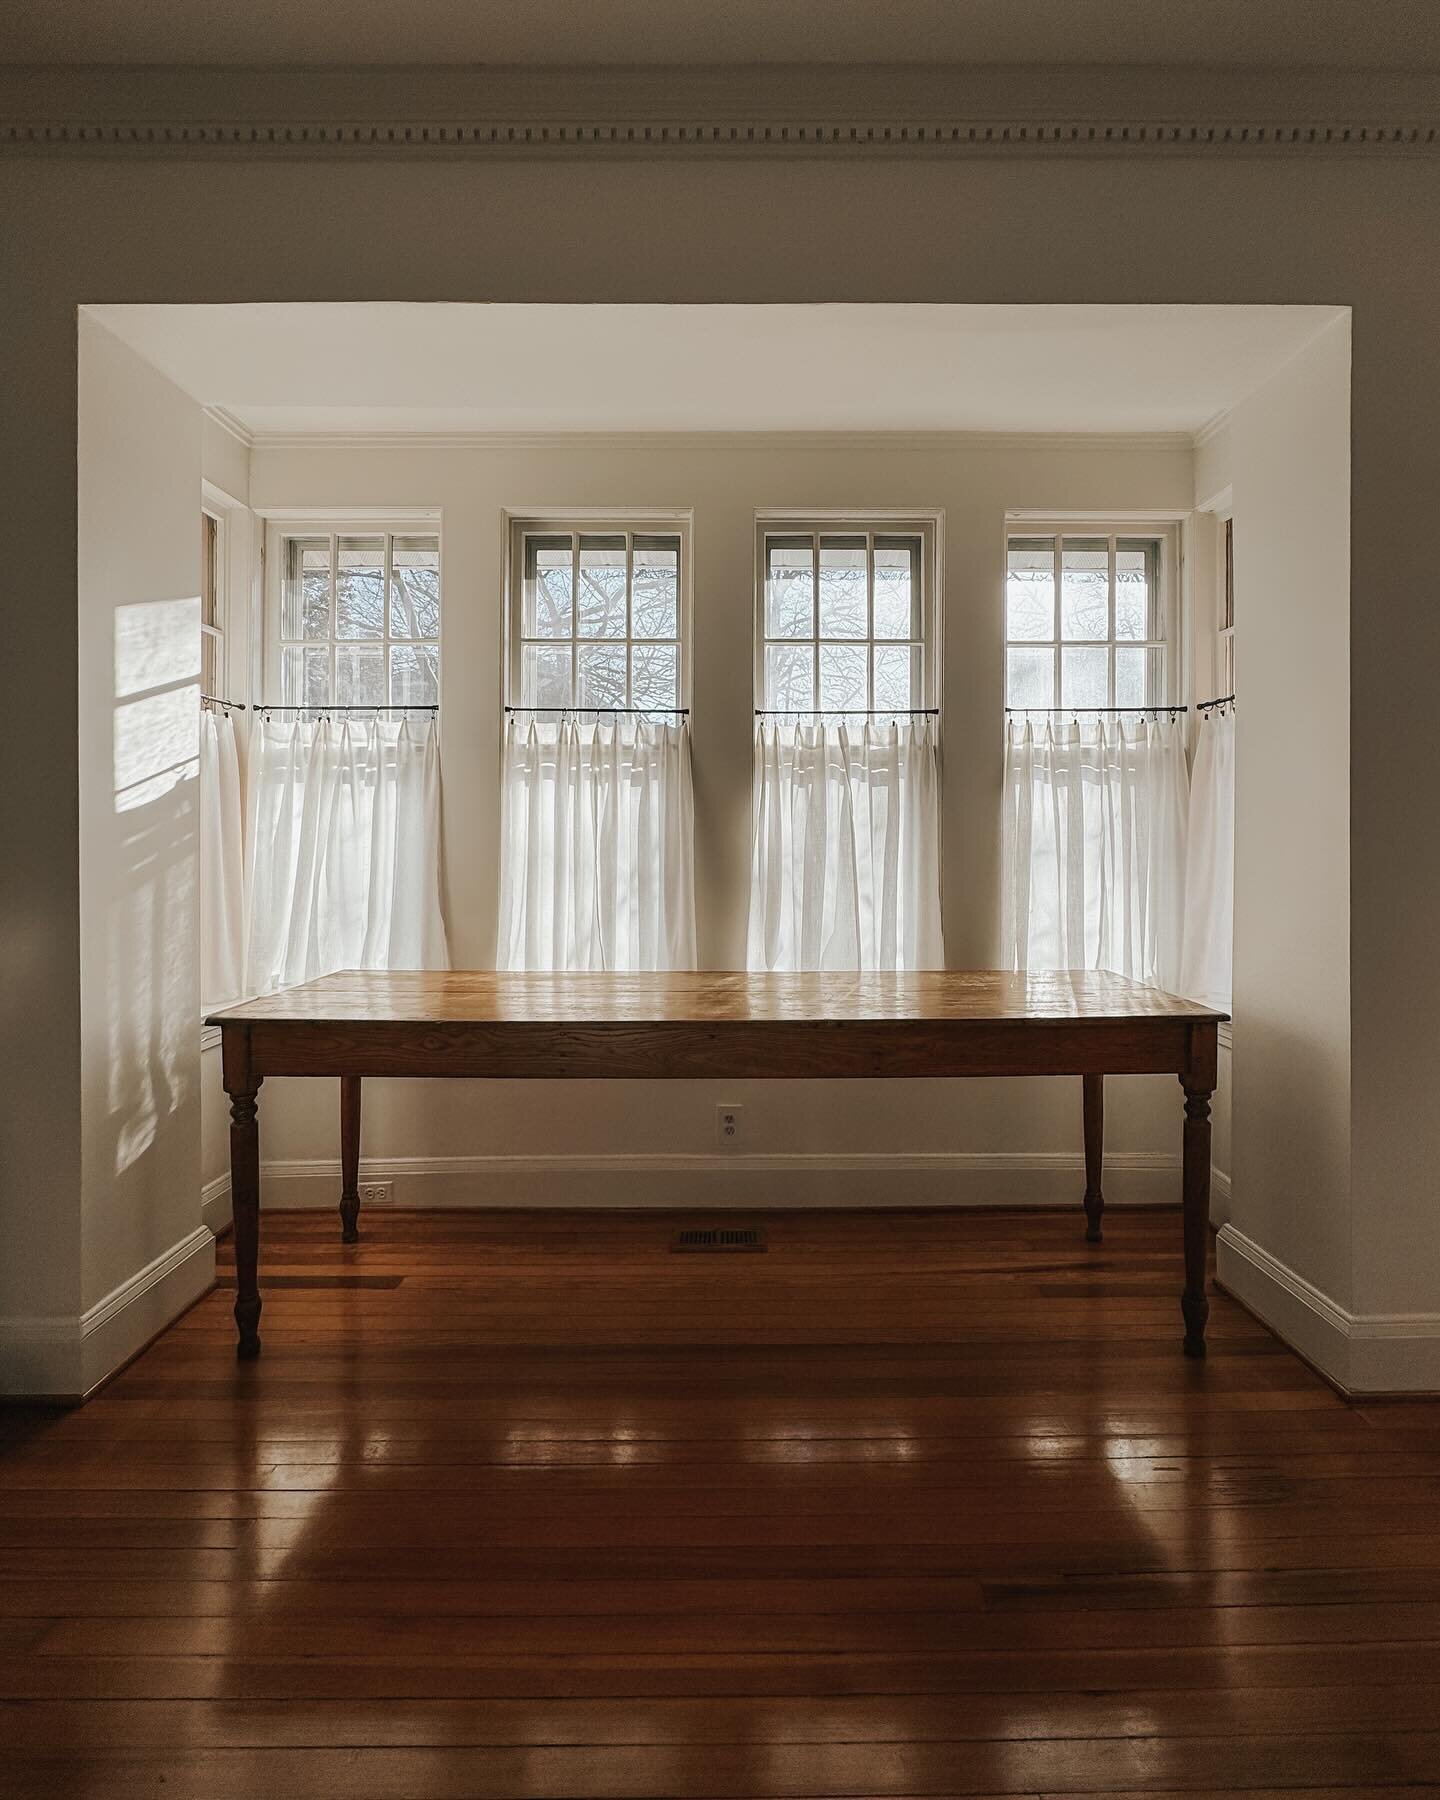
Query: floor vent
point(321, 1281)
point(720, 1237)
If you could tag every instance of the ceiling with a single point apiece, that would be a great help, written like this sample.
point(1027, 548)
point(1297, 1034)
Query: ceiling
point(1395, 34)
point(361, 367)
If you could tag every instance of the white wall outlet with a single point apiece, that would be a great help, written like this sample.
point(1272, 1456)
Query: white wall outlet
point(727, 1126)
point(377, 1193)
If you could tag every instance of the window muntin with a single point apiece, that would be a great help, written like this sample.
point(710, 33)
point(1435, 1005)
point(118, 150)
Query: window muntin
point(597, 620)
point(1086, 620)
point(360, 619)
point(843, 620)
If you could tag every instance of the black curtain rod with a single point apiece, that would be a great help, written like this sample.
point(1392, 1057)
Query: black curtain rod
point(326, 706)
point(229, 705)
point(1224, 700)
point(1075, 711)
point(619, 711)
point(847, 712)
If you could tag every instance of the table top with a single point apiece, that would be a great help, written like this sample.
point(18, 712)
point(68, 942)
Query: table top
point(483, 997)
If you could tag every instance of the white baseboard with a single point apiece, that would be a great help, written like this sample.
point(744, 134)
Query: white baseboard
point(215, 1204)
point(1221, 1195)
point(1362, 1353)
point(66, 1357)
point(720, 1179)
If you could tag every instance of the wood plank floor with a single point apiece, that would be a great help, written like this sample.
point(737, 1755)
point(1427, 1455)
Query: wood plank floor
point(916, 1503)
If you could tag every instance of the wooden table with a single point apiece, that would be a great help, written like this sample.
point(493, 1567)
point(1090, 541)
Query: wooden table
point(485, 1026)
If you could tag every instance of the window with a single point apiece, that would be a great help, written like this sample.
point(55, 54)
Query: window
point(359, 618)
point(1227, 610)
point(597, 618)
point(212, 614)
point(845, 616)
point(1088, 618)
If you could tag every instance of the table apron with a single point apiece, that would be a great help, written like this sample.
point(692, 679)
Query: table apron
point(741, 1050)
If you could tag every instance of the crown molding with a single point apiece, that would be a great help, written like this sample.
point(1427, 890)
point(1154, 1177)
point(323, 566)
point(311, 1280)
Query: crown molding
point(771, 111)
point(233, 427)
point(1213, 426)
point(923, 442)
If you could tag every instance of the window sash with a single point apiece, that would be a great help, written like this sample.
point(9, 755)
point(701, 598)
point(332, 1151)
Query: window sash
point(328, 647)
point(1154, 647)
point(593, 535)
point(833, 534)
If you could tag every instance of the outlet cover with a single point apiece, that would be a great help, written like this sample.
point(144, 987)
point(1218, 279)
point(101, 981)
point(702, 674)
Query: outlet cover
point(728, 1120)
point(377, 1193)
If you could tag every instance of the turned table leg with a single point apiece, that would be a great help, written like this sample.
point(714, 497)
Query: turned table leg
point(245, 1204)
point(349, 1159)
point(1094, 1155)
point(1196, 1180)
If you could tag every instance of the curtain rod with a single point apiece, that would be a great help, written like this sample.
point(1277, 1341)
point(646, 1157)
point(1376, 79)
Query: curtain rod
point(327, 706)
point(1075, 711)
point(621, 711)
point(847, 712)
point(1224, 700)
point(229, 705)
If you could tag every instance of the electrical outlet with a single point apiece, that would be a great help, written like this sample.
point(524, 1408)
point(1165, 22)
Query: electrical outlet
point(377, 1193)
point(727, 1126)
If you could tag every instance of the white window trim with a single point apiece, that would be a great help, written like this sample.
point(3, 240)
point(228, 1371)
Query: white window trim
point(870, 521)
point(540, 522)
point(219, 631)
point(280, 523)
point(1166, 528)
point(236, 557)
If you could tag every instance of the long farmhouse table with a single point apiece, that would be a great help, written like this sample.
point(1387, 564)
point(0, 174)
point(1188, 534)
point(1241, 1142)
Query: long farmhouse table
point(716, 1026)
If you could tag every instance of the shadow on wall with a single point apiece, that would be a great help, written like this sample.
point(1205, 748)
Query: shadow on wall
point(150, 1008)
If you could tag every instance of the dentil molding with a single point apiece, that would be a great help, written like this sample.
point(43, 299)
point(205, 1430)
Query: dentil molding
point(772, 111)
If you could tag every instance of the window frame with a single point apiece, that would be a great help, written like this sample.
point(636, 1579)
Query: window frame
point(214, 645)
point(283, 524)
point(575, 524)
point(1165, 531)
point(868, 523)
point(1225, 600)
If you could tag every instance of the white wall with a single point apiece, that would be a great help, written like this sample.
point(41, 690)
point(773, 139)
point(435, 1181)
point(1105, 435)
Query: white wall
point(142, 1250)
point(995, 1142)
point(1289, 463)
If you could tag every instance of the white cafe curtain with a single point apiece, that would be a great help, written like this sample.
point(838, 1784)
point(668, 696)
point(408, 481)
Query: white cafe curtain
point(222, 862)
point(845, 859)
point(344, 848)
point(1210, 879)
point(597, 845)
point(1095, 846)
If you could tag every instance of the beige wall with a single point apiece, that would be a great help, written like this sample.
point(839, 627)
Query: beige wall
point(1325, 227)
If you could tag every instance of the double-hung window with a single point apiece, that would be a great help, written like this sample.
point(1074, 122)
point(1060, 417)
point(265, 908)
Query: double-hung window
point(358, 619)
point(845, 618)
point(597, 835)
point(1089, 617)
point(597, 617)
point(845, 862)
point(344, 766)
point(1095, 770)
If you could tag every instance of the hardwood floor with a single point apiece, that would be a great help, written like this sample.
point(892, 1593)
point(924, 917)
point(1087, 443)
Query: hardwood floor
point(913, 1504)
